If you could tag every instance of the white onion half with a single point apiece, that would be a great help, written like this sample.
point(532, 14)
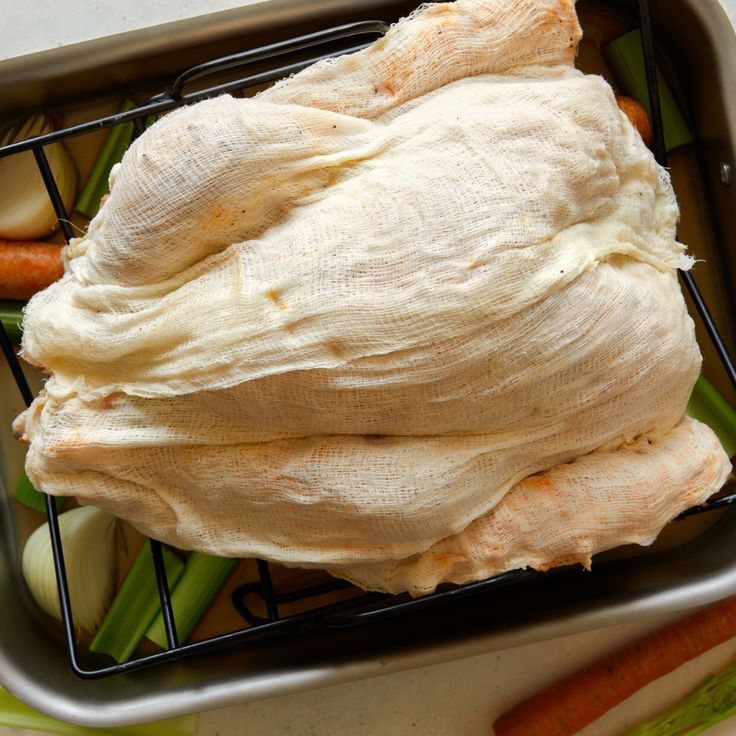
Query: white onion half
point(88, 543)
point(26, 212)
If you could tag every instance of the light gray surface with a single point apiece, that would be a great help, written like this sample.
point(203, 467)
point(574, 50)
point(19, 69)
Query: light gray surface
point(458, 697)
point(37, 25)
point(463, 698)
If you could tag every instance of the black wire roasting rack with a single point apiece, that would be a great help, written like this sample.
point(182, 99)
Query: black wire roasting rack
point(361, 608)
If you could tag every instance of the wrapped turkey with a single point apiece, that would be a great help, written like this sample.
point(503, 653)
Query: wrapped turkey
point(411, 315)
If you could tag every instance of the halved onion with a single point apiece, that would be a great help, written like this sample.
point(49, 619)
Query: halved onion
point(26, 212)
point(88, 542)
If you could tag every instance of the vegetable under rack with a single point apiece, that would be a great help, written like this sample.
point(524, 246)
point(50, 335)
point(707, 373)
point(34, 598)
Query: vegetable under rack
point(285, 58)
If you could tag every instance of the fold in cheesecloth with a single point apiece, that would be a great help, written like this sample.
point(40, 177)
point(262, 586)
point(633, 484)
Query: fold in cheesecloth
point(341, 324)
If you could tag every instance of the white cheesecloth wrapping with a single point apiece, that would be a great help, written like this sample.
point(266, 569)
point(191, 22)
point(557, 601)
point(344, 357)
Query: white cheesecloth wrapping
point(333, 325)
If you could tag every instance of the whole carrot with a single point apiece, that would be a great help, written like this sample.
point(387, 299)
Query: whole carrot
point(569, 705)
point(27, 267)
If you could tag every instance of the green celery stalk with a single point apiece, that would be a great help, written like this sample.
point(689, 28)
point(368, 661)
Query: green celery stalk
point(14, 714)
point(97, 185)
point(626, 58)
point(26, 493)
point(135, 606)
point(11, 315)
point(712, 701)
point(202, 578)
point(708, 406)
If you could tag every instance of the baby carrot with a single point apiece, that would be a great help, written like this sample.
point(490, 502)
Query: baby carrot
point(569, 705)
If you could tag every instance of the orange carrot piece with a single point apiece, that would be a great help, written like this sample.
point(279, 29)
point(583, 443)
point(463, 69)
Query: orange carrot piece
point(637, 114)
point(27, 267)
point(569, 705)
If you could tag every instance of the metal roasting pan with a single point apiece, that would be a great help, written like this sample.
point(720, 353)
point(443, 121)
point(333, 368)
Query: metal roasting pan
point(695, 566)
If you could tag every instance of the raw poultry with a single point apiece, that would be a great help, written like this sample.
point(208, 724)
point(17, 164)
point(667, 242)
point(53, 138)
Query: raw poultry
point(341, 324)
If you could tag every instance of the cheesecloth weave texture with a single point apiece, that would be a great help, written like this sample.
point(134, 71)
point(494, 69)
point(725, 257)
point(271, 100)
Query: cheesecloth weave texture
point(337, 323)
point(543, 523)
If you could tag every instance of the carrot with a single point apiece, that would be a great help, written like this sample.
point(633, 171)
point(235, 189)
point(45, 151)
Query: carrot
point(569, 705)
point(27, 267)
point(637, 114)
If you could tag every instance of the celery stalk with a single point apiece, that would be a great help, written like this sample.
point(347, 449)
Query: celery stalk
point(11, 315)
point(97, 185)
point(26, 493)
point(708, 406)
point(14, 714)
point(135, 606)
point(712, 701)
point(202, 578)
point(626, 57)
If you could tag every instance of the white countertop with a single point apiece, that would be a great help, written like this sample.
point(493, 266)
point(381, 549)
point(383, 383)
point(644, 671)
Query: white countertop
point(454, 699)
point(462, 698)
point(39, 25)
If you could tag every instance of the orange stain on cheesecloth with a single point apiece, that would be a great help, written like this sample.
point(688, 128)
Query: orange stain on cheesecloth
point(399, 72)
point(539, 483)
point(109, 401)
point(447, 558)
point(564, 561)
point(218, 216)
point(274, 295)
point(573, 27)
